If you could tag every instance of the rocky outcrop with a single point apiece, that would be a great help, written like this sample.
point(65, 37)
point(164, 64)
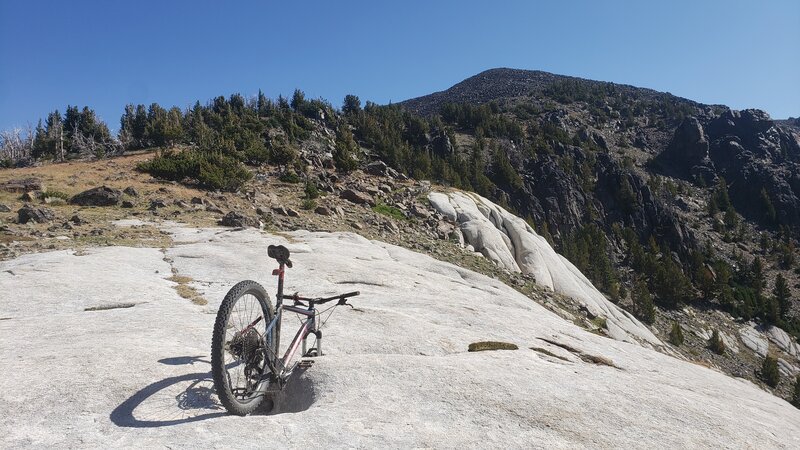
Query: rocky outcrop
point(22, 185)
point(235, 219)
point(511, 243)
point(754, 340)
point(751, 152)
point(396, 372)
point(783, 341)
point(99, 196)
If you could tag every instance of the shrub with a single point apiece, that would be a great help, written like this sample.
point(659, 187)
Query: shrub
point(50, 193)
point(796, 396)
point(391, 211)
point(676, 335)
point(209, 170)
point(716, 343)
point(311, 190)
point(769, 371)
point(309, 204)
point(289, 177)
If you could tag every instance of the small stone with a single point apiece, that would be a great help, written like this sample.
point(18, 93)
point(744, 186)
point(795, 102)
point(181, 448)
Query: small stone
point(130, 190)
point(292, 212)
point(157, 203)
point(197, 201)
point(127, 204)
point(357, 225)
point(4, 208)
point(77, 220)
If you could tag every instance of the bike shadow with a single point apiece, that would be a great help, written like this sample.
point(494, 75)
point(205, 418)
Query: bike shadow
point(191, 398)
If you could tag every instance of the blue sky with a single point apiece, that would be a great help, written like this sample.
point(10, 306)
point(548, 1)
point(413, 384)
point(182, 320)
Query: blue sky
point(108, 53)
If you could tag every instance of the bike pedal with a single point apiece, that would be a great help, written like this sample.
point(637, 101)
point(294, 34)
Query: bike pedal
point(306, 363)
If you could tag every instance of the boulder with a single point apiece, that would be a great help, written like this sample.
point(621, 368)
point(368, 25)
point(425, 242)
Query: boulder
point(377, 168)
point(420, 211)
point(157, 203)
point(359, 198)
point(235, 219)
point(323, 211)
point(29, 213)
point(99, 196)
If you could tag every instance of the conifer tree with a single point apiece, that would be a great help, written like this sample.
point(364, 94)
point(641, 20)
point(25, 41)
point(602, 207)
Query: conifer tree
point(676, 334)
point(716, 344)
point(769, 371)
point(782, 295)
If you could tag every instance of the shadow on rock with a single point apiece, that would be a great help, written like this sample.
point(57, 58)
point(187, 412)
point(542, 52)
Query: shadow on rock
point(191, 397)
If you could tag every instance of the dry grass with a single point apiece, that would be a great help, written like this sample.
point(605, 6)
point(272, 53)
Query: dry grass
point(491, 345)
point(180, 279)
point(190, 293)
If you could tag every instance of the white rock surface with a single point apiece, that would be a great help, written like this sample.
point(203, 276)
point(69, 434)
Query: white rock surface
point(754, 339)
point(510, 242)
point(783, 341)
point(396, 373)
point(786, 368)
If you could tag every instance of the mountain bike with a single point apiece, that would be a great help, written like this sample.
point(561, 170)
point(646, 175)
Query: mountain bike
point(244, 348)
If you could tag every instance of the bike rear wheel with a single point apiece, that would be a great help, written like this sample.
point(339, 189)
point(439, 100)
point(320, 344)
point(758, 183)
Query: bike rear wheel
point(241, 353)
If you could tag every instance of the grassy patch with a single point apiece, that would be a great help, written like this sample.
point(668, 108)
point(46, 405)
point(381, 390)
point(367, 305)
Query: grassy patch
point(600, 322)
point(180, 279)
point(51, 193)
point(491, 345)
point(391, 211)
point(190, 293)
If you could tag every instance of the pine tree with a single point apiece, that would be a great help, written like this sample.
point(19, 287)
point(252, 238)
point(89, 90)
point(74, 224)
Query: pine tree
point(770, 373)
point(352, 105)
point(769, 209)
point(298, 100)
point(676, 334)
point(782, 295)
point(643, 306)
point(716, 344)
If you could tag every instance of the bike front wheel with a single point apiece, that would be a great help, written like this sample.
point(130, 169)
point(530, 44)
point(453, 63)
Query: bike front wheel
point(241, 351)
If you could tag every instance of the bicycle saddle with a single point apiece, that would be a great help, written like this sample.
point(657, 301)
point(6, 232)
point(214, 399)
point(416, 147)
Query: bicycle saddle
point(280, 254)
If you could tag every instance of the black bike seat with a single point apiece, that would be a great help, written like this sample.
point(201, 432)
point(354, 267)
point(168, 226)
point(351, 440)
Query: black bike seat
point(280, 254)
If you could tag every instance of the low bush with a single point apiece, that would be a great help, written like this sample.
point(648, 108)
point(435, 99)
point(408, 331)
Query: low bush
point(207, 169)
point(51, 193)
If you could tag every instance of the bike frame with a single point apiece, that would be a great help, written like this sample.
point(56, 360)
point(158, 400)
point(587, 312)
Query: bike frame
point(308, 327)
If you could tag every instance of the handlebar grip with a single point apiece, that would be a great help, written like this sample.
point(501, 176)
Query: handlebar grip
point(350, 294)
